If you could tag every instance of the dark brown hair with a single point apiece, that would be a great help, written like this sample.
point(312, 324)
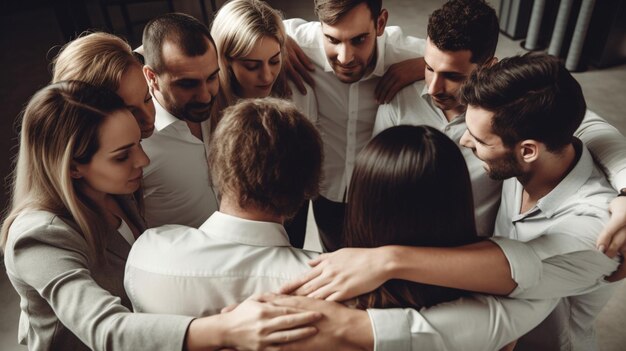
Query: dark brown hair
point(465, 25)
point(331, 11)
point(532, 97)
point(185, 31)
point(410, 187)
point(266, 154)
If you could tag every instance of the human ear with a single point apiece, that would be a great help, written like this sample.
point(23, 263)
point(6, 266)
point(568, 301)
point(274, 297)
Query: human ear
point(381, 22)
point(75, 172)
point(151, 77)
point(529, 150)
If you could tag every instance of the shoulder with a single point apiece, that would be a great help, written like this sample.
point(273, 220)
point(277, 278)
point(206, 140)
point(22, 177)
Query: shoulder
point(163, 245)
point(43, 226)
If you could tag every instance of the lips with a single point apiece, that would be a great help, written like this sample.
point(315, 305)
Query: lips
point(138, 178)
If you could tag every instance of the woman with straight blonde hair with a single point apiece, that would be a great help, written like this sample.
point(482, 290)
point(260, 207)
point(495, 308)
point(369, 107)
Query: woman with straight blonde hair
point(250, 39)
point(70, 226)
point(105, 60)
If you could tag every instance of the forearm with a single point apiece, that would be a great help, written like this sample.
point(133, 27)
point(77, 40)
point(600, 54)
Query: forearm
point(205, 334)
point(480, 267)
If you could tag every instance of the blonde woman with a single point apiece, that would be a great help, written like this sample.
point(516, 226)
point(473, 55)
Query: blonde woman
point(250, 40)
point(69, 229)
point(105, 60)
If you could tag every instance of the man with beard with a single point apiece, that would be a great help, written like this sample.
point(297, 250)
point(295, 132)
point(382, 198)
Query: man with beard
point(181, 68)
point(351, 50)
point(462, 36)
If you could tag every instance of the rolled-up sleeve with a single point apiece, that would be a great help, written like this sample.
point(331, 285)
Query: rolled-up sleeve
point(474, 323)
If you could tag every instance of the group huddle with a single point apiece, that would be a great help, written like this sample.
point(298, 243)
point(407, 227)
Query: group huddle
point(160, 196)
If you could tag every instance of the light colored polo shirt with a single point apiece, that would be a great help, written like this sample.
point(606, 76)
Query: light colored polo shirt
point(196, 272)
point(177, 186)
point(413, 106)
point(559, 258)
point(346, 112)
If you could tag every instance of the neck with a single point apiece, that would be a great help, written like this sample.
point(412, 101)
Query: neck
point(546, 174)
point(195, 129)
point(454, 112)
point(229, 206)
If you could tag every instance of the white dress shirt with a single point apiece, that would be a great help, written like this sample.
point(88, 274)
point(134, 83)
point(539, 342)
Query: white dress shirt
point(197, 272)
point(182, 270)
point(346, 112)
point(559, 258)
point(177, 185)
point(413, 106)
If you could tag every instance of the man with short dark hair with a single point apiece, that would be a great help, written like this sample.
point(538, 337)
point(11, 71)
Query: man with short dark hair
point(462, 36)
point(351, 49)
point(181, 68)
point(266, 161)
point(521, 117)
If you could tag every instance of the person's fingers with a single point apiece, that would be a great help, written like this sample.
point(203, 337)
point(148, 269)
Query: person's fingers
point(229, 308)
point(287, 336)
point(317, 260)
point(322, 293)
point(312, 285)
point(294, 285)
point(617, 243)
point(380, 92)
point(304, 59)
point(337, 296)
point(391, 92)
point(293, 76)
point(292, 320)
point(619, 274)
point(607, 235)
point(305, 75)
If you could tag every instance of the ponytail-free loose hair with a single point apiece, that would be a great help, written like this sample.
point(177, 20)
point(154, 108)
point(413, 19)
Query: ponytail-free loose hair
point(410, 187)
point(60, 126)
point(100, 59)
point(237, 28)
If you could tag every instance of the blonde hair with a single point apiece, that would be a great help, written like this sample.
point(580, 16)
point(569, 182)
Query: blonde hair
point(60, 125)
point(238, 26)
point(99, 59)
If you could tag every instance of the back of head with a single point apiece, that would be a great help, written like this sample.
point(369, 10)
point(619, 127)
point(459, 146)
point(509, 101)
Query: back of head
point(410, 187)
point(266, 155)
point(189, 34)
point(238, 26)
point(60, 126)
point(98, 58)
point(331, 11)
point(465, 25)
point(532, 97)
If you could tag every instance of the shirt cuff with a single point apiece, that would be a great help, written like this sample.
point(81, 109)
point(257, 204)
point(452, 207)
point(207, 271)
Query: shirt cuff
point(392, 330)
point(526, 267)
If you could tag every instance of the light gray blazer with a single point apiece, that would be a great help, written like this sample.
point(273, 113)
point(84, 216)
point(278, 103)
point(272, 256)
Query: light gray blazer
point(68, 305)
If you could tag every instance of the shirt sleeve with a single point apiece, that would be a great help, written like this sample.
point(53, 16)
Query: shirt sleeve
point(475, 323)
point(554, 266)
point(54, 263)
point(386, 117)
point(400, 47)
point(607, 144)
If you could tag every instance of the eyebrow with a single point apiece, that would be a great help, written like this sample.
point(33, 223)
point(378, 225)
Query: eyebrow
point(475, 137)
point(354, 37)
point(446, 72)
point(176, 80)
point(255, 60)
point(127, 146)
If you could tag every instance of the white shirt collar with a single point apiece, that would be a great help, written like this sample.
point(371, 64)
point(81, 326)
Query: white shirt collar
point(243, 231)
point(163, 117)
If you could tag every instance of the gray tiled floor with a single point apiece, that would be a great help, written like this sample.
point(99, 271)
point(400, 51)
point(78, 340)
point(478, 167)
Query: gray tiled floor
point(26, 38)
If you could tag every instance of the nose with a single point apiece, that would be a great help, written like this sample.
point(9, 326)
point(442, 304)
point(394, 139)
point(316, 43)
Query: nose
point(142, 160)
point(466, 140)
point(436, 85)
point(204, 94)
point(266, 76)
point(345, 54)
